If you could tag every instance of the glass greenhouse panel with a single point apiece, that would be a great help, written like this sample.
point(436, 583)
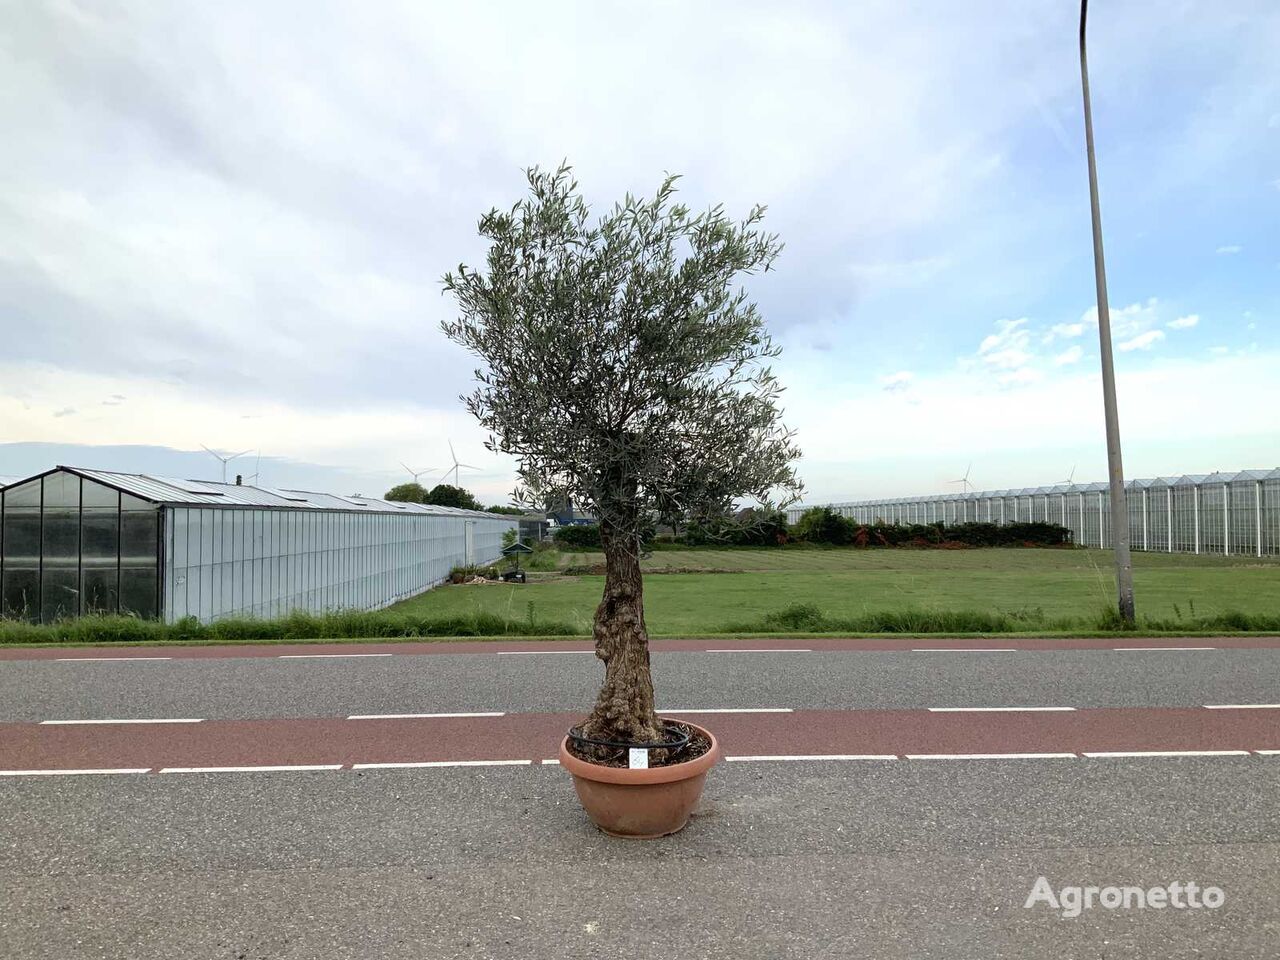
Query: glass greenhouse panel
point(1232, 514)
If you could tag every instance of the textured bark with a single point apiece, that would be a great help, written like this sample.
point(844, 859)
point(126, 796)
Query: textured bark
point(624, 709)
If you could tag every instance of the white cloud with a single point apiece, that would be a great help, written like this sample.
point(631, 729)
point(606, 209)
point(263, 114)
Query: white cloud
point(1008, 347)
point(1184, 323)
point(1066, 330)
point(1219, 351)
point(1071, 355)
point(1229, 249)
point(1127, 322)
point(1164, 424)
point(1022, 375)
point(897, 381)
point(1143, 341)
point(249, 281)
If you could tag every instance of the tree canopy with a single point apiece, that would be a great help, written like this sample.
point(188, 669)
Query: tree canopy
point(412, 492)
point(447, 495)
point(623, 367)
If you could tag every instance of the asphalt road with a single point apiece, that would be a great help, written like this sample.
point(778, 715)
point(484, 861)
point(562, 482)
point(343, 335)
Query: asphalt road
point(912, 852)
point(262, 687)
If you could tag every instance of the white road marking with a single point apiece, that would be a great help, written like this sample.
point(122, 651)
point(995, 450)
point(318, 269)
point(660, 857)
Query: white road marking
point(1002, 709)
point(327, 656)
point(1267, 753)
point(816, 756)
point(526, 653)
point(734, 710)
point(763, 650)
point(71, 773)
point(71, 723)
point(441, 763)
point(1149, 649)
point(1169, 753)
point(418, 716)
point(1242, 706)
point(258, 769)
point(101, 659)
point(547, 763)
point(990, 756)
point(964, 650)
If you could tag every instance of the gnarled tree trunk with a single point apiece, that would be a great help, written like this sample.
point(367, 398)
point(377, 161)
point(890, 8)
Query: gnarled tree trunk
point(624, 709)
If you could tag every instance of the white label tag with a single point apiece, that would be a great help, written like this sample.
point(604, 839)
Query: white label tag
point(639, 759)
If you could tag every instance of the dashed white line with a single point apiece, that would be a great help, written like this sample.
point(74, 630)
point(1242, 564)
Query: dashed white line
point(814, 756)
point(1121, 754)
point(990, 756)
point(106, 659)
point(441, 763)
point(1161, 649)
point(72, 773)
point(72, 723)
point(539, 653)
point(1002, 709)
point(419, 716)
point(733, 710)
point(1242, 706)
point(762, 650)
point(255, 769)
point(328, 656)
point(551, 763)
point(964, 650)
point(1267, 753)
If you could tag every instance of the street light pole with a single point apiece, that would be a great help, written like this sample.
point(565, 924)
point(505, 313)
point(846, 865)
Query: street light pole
point(1119, 509)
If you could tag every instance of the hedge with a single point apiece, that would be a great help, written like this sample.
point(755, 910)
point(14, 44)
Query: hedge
point(579, 536)
point(824, 525)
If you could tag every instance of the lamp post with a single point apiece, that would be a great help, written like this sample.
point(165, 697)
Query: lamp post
point(1115, 466)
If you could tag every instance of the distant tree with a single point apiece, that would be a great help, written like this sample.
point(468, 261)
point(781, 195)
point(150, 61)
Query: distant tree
point(412, 492)
point(447, 495)
point(507, 511)
point(627, 370)
point(823, 525)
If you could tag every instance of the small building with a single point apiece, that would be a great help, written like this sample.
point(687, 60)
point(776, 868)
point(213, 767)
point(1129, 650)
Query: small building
point(563, 513)
point(76, 541)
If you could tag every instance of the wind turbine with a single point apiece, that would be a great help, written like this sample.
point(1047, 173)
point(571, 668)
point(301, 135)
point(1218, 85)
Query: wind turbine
point(224, 460)
point(1071, 477)
point(964, 481)
point(417, 473)
point(456, 465)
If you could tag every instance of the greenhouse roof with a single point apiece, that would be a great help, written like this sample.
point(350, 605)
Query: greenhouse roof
point(172, 491)
point(1187, 480)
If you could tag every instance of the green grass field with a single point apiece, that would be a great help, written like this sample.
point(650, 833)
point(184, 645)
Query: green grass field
point(718, 588)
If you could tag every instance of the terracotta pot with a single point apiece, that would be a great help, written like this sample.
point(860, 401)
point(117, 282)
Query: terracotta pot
point(641, 804)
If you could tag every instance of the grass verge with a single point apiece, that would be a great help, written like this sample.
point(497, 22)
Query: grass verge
point(795, 620)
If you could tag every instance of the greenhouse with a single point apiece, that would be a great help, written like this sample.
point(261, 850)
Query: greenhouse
point(75, 541)
point(1233, 514)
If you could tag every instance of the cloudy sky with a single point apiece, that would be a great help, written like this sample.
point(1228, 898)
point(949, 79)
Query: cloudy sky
point(226, 223)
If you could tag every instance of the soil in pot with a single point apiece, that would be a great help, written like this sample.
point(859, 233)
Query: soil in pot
point(642, 803)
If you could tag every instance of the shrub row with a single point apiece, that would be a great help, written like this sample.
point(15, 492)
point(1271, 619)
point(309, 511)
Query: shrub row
point(809, 618)
point(824, 525)
point(796, 618)
point(296, 626)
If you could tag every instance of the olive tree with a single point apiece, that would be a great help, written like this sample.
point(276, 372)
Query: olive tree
point(624, 368)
